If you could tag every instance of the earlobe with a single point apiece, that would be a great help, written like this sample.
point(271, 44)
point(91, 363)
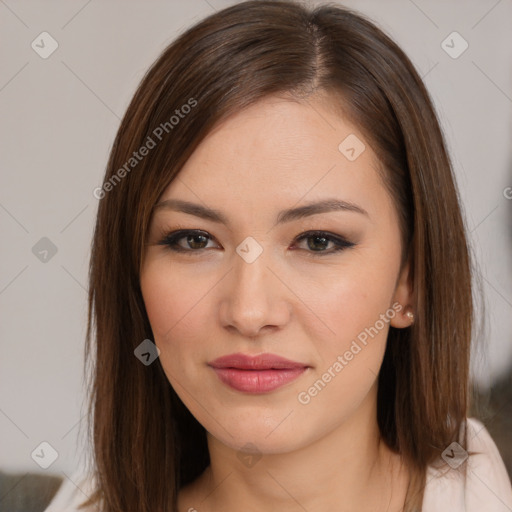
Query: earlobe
point(404, 292)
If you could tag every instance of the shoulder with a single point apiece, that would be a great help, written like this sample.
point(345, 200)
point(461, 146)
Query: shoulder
point(73, 491)
point(487, 485)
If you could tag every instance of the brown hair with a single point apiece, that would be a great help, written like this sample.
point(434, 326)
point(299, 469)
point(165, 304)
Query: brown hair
point(146, 443)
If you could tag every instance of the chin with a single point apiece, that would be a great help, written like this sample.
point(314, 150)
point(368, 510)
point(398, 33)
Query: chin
point(256, 435)
point(260, 444)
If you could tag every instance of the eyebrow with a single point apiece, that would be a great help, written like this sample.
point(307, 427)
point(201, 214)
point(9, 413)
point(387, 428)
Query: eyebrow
point(291, 214)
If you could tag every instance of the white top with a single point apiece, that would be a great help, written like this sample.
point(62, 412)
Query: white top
point(488, 485)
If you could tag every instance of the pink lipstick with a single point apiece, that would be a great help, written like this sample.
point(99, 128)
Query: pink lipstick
point(256, 374)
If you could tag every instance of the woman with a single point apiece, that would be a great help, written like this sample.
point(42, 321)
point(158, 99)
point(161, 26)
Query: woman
point(280, 283)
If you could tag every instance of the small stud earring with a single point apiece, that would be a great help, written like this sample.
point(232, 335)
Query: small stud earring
point(410, 315)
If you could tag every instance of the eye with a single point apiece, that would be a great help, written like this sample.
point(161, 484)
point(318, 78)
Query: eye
point(320, 239)
point(196, 241)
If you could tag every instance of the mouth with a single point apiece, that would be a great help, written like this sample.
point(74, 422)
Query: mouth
point(256, 374)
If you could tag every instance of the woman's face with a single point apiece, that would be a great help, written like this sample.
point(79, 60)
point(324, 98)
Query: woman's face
point(250, 285)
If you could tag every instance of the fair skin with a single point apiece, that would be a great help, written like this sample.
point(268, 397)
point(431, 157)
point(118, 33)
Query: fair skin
point(325, 454)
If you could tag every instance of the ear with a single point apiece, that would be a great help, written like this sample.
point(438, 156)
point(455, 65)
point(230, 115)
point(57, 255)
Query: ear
point(404, 296)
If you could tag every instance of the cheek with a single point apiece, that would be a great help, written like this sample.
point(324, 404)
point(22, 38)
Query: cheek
point(355, 303)
point(353, 299)
point(172, 300)
point(357, 308)
point(161, 306)
point(170, 314)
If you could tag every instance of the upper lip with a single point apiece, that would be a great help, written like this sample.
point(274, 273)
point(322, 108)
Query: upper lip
point(259, 362)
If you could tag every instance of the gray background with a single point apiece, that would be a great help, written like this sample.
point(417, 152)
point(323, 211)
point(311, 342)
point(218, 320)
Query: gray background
point(59, 117)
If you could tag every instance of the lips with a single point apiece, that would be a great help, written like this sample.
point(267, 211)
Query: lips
point(256, 374)
point(260, 362)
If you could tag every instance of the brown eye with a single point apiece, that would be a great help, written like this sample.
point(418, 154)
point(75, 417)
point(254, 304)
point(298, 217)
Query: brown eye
point(195, 241)
point(319, 240)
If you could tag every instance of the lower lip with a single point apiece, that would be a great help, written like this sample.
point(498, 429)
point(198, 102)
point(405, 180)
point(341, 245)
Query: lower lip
point(257, 381)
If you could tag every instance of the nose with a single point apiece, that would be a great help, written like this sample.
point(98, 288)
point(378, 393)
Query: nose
point(254, 299)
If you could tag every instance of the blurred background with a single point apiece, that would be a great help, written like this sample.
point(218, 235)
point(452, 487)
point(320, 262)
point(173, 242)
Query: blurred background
point(69, 70)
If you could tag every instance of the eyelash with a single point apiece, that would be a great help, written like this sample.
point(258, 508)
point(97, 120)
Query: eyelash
point(170, 240)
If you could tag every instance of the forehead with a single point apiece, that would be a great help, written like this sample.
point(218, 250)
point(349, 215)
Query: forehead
point(279, 150)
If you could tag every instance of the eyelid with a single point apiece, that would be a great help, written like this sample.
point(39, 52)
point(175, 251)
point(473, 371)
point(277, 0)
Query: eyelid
point(169, 238)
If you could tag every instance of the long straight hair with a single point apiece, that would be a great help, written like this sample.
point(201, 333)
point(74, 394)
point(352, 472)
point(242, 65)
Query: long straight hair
point(146, 444)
